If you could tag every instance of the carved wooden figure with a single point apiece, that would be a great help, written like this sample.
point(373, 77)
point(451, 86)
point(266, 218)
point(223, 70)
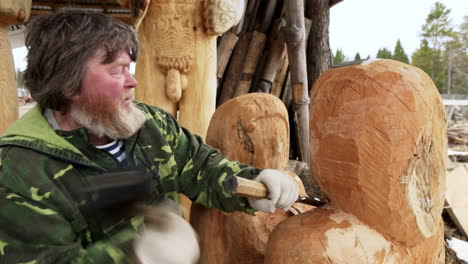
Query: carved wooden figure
point(12, 12)
point(378, 150)
point(253, 129)
point(177, 67)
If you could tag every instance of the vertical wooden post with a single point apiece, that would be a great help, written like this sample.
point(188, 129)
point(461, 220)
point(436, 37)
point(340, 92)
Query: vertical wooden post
point(318, 46)
point(8, 93)
point(11, 12)
point(294, 33)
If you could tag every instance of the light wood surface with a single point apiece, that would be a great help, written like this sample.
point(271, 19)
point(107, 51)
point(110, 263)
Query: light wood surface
point(254, 129)
point(177, 68)
point(457, 198)
point(378, 151)
point(11, 12)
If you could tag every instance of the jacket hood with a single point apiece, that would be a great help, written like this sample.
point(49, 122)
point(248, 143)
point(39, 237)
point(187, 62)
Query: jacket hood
point(34, 126)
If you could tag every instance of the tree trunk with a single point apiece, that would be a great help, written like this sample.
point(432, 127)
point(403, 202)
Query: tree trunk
point(318, 44)
point(295, 41)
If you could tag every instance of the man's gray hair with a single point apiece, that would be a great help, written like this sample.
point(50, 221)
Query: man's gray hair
point(60, 45)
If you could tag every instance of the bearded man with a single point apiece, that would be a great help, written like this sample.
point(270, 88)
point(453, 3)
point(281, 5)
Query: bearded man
point(85, 125)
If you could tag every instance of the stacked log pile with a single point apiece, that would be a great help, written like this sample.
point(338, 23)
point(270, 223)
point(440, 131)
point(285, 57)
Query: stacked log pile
point(266, 52)
point(457, 133)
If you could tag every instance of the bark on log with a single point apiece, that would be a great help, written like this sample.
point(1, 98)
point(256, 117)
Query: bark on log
point(318, 44)
point(225, 48)
point(295, 41)
point(251, 128)
point(11, 12)
point(378, 151)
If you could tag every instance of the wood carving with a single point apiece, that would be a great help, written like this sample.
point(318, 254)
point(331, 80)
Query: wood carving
point(177, 66)
point(378, 151)
point(253, 129)
point(11, 12)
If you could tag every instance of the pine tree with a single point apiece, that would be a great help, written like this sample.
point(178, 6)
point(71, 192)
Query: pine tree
point(456, 57)
point(357, 57)
point(339, 57)
point(384, 54)
point(399, 53)
point(423, 58)
point(436, 32)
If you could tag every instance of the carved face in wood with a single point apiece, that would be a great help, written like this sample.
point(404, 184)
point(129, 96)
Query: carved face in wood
point(173, 27)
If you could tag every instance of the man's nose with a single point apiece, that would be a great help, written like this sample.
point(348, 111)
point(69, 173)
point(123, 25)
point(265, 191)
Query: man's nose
point(130, 81)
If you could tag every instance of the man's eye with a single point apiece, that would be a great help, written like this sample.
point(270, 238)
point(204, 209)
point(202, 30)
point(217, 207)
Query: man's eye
point(116, 72)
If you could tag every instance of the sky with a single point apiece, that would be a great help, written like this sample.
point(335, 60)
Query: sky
point(365, 26)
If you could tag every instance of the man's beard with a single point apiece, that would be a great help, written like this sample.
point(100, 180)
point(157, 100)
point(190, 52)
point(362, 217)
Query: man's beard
point(102, 117)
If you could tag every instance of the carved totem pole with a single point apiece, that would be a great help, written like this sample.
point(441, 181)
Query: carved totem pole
point(12, 12)
point(177, 67)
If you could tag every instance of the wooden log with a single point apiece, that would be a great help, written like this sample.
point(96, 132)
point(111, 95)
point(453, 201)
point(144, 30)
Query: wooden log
point(456, 198)
point(256, 45)
point(328, 235)
point(395, 135)
point(225, 48)
point(318, 45)
point(252, 128)
point(287, 96)
point(233, 75)
point(11, 12)
point(295, 41)
point(275, 53)
point(250, 15)
point(265, 17)
point(379, 153)
point(280, 78)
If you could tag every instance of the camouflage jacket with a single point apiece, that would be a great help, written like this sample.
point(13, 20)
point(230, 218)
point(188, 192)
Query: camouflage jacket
point(43, 221)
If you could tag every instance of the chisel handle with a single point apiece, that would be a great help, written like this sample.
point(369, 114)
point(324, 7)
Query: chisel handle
point(250, 188)
point(257, 190)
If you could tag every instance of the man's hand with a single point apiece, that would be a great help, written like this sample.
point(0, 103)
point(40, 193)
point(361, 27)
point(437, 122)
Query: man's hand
point(283, 191)
point(166, 239)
